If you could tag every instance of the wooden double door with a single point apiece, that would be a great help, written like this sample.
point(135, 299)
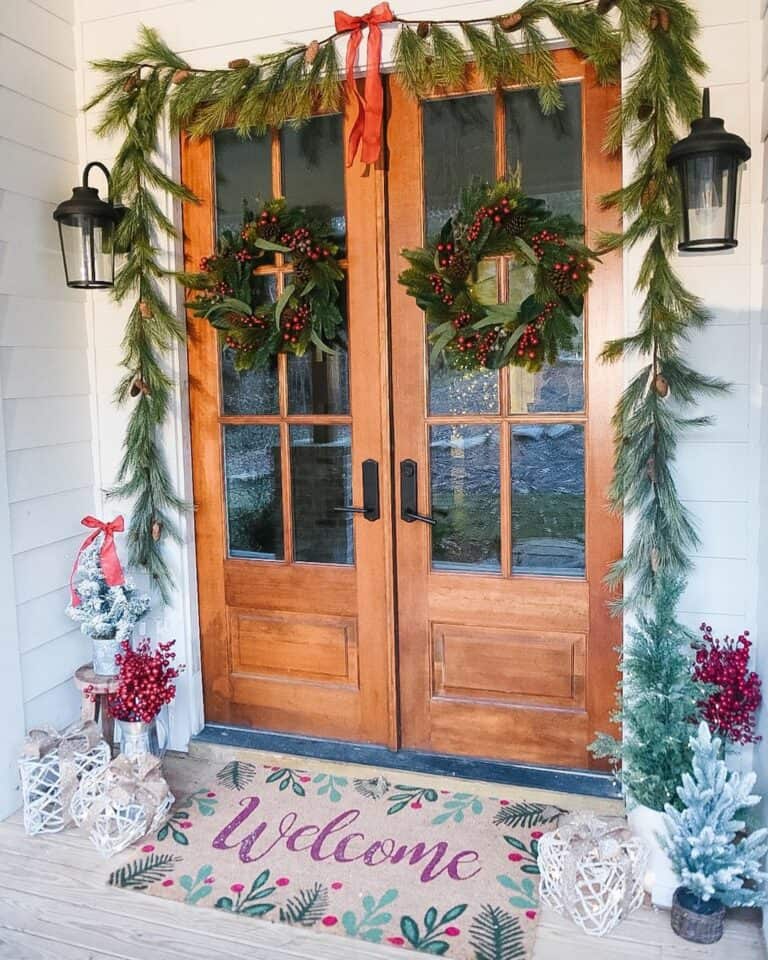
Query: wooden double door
point(464, 613)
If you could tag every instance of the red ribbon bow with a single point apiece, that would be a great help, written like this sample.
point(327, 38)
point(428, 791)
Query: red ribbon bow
point(110, 562)
point(370, 108)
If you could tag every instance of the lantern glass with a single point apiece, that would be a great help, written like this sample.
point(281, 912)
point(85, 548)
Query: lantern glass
point(88, 250)
point(709, 184)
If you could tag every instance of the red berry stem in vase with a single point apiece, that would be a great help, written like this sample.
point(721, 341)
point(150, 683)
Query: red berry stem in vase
point(144, 682)
point(731, 708)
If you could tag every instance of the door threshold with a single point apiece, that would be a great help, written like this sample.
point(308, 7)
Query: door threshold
point(560, 779)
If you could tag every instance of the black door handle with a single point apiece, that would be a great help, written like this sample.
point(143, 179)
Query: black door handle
point(409, 493)
point(370, 508)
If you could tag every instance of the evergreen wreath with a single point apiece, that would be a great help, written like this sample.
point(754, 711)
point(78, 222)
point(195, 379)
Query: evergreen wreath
point(465, 324)
point(231, 298)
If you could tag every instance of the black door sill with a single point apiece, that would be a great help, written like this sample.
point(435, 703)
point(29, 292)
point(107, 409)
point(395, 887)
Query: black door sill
point(561, 779)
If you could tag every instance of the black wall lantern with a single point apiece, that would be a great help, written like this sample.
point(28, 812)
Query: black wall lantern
point(708, 162)
point(87, 234)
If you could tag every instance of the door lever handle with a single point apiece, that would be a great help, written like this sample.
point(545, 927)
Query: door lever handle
point(370, 508)
point(409, 493)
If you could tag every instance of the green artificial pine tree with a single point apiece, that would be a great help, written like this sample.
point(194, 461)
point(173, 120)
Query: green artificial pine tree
point(701, 837)
point(657, 701)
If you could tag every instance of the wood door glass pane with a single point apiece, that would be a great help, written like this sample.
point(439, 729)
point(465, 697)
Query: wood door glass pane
point(254, 391)
point(548, 149)
point(313, 177)
point(254, 501)
point(465, 498)
point(313, 169)
point(458, 146)
point(321, 480)
point(547, 468)
point(243, 175)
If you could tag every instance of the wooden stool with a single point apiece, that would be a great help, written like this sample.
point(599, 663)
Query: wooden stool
point(97, 710)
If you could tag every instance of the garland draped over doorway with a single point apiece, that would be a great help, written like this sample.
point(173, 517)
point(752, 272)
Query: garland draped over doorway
point(660, 96)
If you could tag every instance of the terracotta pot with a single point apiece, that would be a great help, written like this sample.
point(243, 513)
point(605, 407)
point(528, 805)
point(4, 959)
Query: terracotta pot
point(661, 881)
point(697, 920)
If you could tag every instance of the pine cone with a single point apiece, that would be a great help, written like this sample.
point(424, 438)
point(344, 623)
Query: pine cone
point(458, 267)
point(605, 6)
point(561, 281)
point(423, 29)
point(268, 231)
point(302, 272)
point(180, 76)
point(644, 111)
point(239, 64)
point(310, 54)
point(510, 22)
point(515, 224)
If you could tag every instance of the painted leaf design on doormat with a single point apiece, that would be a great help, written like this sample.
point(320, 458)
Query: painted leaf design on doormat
point(307, 907)
point(198, 887)
point(140, 874)
point(496, 935)
point(523, 894)
point(372, 788)
point(330, 786)
point(527, 853)
point(413, 797)
point(526, 814)
point(253, 903)
point(285, 777)
point(204, 803)
point(237, 774)
point(457, 807)
point(370, 925)
point(431, 939)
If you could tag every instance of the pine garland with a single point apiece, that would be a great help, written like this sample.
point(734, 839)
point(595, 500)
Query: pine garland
point(255, 95)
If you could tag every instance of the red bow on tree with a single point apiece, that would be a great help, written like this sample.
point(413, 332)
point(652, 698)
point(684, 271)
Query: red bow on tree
point(370, 109)
point(110, 562)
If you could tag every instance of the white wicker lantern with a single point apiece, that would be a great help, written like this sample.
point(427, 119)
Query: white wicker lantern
point(592, 871)
point(121, 803)
point(50, 769)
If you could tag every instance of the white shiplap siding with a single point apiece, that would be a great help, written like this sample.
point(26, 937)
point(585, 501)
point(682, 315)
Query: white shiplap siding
point(46, 451)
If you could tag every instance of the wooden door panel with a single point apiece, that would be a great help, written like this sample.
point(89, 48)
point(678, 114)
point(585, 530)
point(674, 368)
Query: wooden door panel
point(513, 666)
point(297, 647)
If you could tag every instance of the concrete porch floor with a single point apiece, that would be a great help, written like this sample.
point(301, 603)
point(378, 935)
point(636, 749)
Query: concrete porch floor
point(55, 905)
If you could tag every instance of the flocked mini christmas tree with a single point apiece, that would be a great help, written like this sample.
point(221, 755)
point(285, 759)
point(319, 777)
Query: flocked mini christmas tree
point(658, 699)
point(104, 612)
point(701, 836)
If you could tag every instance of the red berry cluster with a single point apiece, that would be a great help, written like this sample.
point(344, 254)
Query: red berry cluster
point(461, 320)
point(570, 268)
point(445, 252)
point(242, 256)
point(300, 241)
point(145, 681)
point(485, 346)
point(529, 342)
point(438, 285)
point(208, 263)
point(545, 236)
point(730, 709)
point(497, 213)
point(263, 223)
point(223, 288)
point(295, 321)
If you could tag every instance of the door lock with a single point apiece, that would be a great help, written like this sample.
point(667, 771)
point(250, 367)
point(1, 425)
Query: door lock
point(370, 508)
point(409, 493)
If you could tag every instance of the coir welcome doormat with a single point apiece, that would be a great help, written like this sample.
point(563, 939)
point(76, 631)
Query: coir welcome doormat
point(443, 873)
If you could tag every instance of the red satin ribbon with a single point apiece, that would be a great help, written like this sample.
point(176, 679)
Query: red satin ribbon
point(110, 562)
point(370, 108)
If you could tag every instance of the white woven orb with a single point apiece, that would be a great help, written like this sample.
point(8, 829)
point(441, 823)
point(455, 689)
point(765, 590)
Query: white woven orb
point(116, 818)
point(592, 872)
point(46, 798)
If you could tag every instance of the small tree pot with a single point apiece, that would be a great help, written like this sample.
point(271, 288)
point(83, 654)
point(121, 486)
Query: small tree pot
point(697, 920)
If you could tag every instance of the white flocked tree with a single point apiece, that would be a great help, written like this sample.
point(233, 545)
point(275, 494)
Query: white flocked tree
point(701, 839)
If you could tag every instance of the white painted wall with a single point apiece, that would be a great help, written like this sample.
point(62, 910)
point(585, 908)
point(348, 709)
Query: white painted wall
point(46, 455)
